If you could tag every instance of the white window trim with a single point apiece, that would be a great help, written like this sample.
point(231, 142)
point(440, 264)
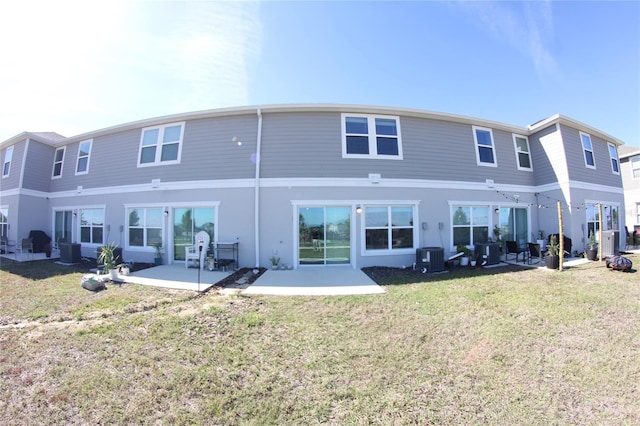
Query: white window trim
point(78, 225)
point(584, 150)
point(471, 204)
point(158, 145)
point(4, 162)
point(84, 172)
point(515, 146)
point(615, 204)
point(146, 248)
point(477, 146)
point(53, 170)
point(612, 159)
point(632, 160)
point(373, 148)
point(388, 252)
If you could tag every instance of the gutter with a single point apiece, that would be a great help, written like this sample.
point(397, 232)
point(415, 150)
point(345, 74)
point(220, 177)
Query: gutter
point(256, 192)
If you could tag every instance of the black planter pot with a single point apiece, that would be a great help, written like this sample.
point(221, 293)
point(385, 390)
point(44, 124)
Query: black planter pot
point(592, 254)
point(552, 262)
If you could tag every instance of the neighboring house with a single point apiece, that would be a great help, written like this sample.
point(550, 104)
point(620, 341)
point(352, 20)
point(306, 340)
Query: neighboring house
point(311, 184)
point(630, 170)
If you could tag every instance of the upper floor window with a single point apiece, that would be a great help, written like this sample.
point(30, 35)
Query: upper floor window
point(587, 148)
point(485, 155)
point(523, 155)
point(84, 151)
point(161, 144)
point(57, 162)
point(6, 167)
point(371, 136)
point(635, 166)
point(613, 154)
point(91, 226)
point(389, 227)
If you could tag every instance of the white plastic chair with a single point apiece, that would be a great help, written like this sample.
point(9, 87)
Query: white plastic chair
point(25, 245)
point(191, 252)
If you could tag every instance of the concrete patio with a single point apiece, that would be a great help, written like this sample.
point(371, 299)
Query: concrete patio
point(320, 281)
point(297, 282)
point(175, 276)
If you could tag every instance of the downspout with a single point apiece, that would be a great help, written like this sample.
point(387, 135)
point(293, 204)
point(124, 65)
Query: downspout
point(256, 191)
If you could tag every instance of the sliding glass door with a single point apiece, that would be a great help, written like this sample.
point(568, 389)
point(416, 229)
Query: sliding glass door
point(187, 222)
point(324, 235)
point(62, 226)
point(514, 225)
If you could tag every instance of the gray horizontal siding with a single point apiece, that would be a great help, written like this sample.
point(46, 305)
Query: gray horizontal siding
point(305, 145)
point(602, 174)
point(544, 156)
point(439, 150)
point(38, 167)
point(209, 151)
point(13, 180)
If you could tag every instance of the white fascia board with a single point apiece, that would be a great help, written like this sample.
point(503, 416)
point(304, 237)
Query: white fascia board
point(568, 121)
point(162, 186)
point(26, 135)
point(557, 186)
point(629, 154)
point(390, 183)
point(266, 109)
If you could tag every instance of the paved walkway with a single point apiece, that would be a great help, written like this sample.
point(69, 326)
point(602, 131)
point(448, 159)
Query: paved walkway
point(320, 281)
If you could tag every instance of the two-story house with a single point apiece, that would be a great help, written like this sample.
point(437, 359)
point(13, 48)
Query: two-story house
point(311, 184)
point(630, 169)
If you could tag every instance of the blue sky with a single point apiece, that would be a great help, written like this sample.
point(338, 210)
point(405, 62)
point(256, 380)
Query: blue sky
point(77, 66)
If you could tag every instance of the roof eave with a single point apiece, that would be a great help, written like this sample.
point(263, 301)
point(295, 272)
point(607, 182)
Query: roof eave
point(562, 119)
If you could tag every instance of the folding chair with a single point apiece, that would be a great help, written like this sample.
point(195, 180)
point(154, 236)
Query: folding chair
point(25, 245)
point(534, 251)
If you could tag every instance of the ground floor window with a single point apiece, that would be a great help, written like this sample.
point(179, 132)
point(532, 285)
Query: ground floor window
point(470, 224)
point(389, 227)
point(610, 215)
point(4, 223)
point(92, 226)
point(145, 226)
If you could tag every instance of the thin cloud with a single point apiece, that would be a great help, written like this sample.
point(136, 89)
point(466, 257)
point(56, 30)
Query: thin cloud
point(80, 66)
point(527, 27)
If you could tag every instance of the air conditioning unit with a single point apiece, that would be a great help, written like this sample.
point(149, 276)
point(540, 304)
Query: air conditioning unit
point(490, 250)
point(610, 243)
point(430, 259)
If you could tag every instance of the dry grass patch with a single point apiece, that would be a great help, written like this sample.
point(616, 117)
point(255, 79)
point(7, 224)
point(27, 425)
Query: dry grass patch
point(495, 347)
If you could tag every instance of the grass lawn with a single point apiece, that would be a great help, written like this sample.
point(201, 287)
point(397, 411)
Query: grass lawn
point(494, 346)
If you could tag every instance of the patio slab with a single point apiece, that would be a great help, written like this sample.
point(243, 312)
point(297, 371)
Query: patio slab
point(176, 277)
point(321, 281)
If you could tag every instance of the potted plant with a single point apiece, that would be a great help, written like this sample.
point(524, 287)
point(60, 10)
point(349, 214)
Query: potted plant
point(158, 257)
point(541, 241)
point(592, 251)
point(274, 262)
point(552, 259)
point(464, 260)
point(109, 259)
point(474, 259)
